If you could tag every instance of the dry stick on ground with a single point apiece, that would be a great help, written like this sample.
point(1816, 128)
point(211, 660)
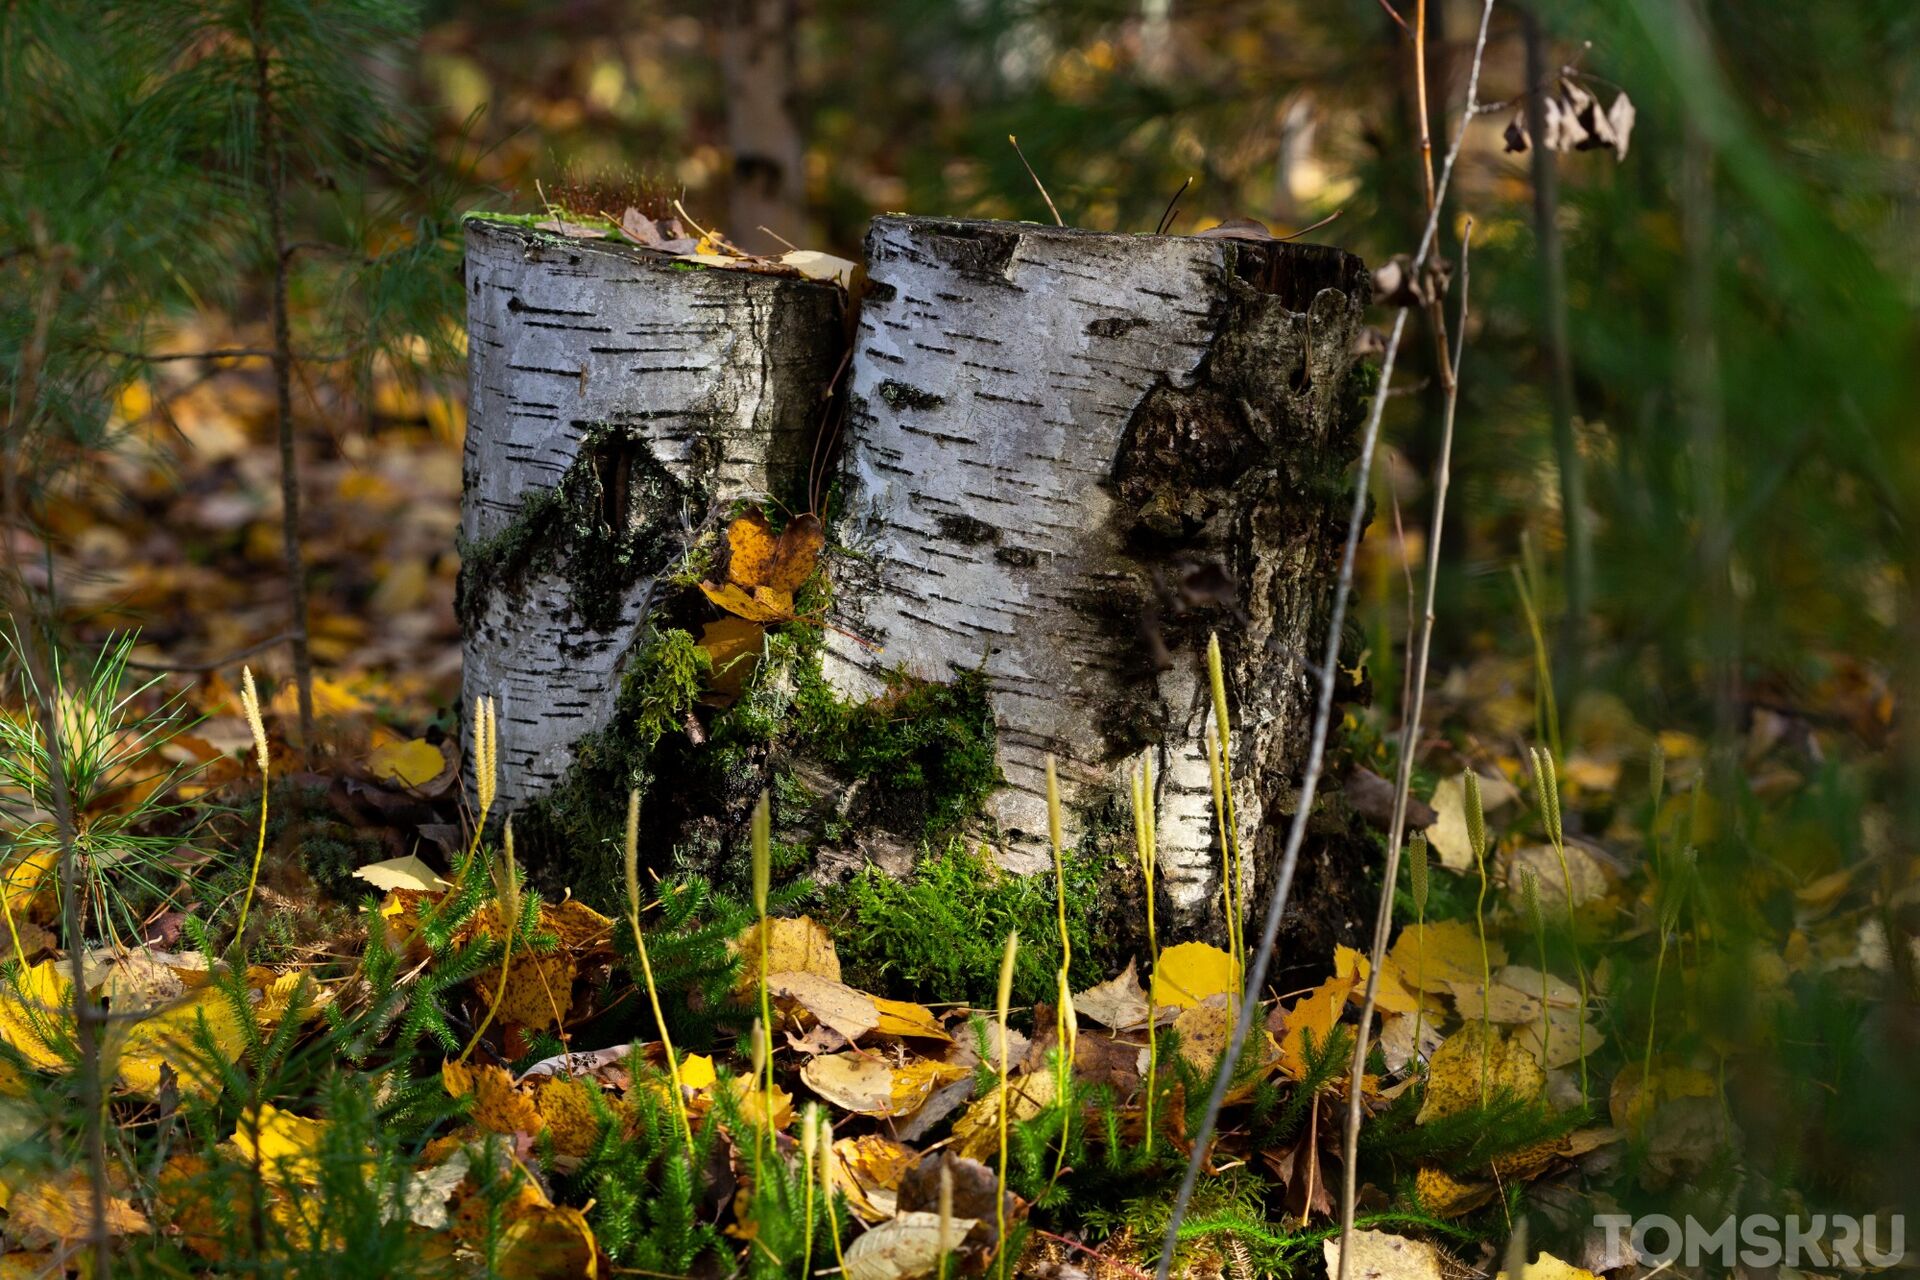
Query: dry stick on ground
point(270, 174)
point(88, 1016)
point(1409, 742)
point(1323, 710)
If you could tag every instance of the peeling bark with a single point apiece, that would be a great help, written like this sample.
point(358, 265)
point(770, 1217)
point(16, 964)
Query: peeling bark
point(1068, 457)
point(617, 395)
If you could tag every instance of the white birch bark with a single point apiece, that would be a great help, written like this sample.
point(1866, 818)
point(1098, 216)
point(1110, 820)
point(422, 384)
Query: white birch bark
point(1070, 455)
point(661, 389)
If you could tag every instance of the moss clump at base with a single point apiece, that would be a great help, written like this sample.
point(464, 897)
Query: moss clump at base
point(928, 752)
point(939, 934)
point(577, 829)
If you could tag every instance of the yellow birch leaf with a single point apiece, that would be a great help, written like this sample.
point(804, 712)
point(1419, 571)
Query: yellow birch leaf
point(1450, 953)
point(1446, 1196)
point(1317, 1012)
point(173, 1038)
point(36, 1014)
point(567, 1109)
point(1391, 994)
point(579, 927)
point(287, 1146)
point(1548, 1267)
point(539, 991)
point(761, 604)
point(901, 1018)
point(1190, 972)
point(869, 1169)
point(62, 1210)
point(1455, 1070)
point(402, 873)
point(30, 884)
point(413, 763)
point(915, 1082)
point(796, 945)
point(696, 1072)
point(497, 1105)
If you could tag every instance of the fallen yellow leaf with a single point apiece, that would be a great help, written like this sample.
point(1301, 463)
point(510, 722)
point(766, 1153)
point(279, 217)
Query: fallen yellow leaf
point(797, 945)
point(1190, 972)
point(36, 1015)
point(413, 763)
point(286, 1146)
point(1454, 1075)
point(497, 1105)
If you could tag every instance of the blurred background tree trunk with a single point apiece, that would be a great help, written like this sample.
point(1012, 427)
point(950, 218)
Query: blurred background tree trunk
point(757, 63)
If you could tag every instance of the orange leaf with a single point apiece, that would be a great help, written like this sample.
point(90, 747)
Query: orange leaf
point(751, 549)
point(797, 553)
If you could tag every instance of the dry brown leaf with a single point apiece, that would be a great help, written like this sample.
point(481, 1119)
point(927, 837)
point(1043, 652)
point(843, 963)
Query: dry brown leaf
point(869, 1169)
point(849, 1012)
point(856, 1082)
point(1119, 1002)
point(905, 1246)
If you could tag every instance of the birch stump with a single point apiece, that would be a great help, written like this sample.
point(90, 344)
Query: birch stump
point(616, 396)
point(1069, 456)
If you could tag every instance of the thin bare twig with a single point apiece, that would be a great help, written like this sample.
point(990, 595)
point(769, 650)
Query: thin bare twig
point(1323, 711)
point(1422, 647)
point(213, 664)
point(1173, 205)
point(1036, 180)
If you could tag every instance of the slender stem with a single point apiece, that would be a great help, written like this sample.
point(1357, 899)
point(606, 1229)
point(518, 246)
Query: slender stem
point(1577, 560)
point(500, 993)
point(1323, 710)
point(270, 178)
point(42, 674)
point(1422, 646)
point(259, 850)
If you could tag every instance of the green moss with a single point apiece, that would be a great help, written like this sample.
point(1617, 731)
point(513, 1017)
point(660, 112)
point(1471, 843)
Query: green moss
point(577, 828)
point(939, 933)
point(610, 521)
point(928, 750)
